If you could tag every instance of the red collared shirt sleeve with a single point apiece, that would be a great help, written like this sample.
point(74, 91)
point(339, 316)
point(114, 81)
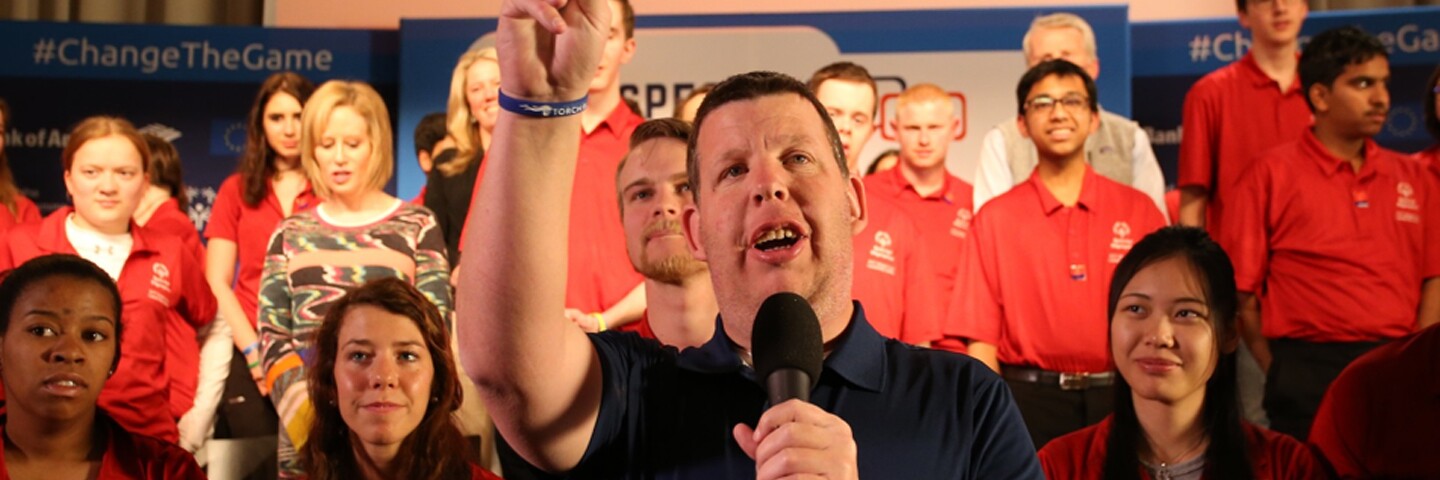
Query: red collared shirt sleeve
point(1431, 216)
point(225, 212)
point(976, 311)
point(198, 301)
point(1201, 124)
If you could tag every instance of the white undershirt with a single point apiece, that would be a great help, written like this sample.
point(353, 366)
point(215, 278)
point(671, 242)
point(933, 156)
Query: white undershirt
point(360, 222)
point(106, 250)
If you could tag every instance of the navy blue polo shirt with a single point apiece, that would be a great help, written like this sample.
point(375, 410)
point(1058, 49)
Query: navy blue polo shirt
point(915, 412)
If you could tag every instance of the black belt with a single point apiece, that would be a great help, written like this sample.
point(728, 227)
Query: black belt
point(1063, 380)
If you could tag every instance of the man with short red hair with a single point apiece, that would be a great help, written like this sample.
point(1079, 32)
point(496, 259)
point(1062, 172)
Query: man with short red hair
point(920, 185)
point(892, 270)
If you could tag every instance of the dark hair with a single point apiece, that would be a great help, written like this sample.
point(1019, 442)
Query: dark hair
point(698, 91)
point(8, 190)
point(631, 104)
point(430, 131)
point(650, 130)
point(165, 169)
point(1432, 118)
point(1328, 53)
point(434, 450)
point(57, 265)
point(849, 72)
point(257, 163)
point(1241, 5)
point(875, 165)
point(627, 13)
point(749, 86)
point(1058, 68)
point(1226, 455)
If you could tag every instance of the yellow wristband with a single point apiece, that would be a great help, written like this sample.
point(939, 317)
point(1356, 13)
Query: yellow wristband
point(600, 320)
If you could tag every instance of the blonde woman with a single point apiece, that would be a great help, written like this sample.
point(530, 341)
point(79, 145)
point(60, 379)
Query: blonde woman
point(357, 233)
point(473, 107)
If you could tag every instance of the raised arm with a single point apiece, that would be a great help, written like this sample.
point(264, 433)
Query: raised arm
point(538, 375)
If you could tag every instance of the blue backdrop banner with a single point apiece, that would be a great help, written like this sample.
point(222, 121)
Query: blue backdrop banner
point(974, 54)
point(1170, 56)
point(193, 85)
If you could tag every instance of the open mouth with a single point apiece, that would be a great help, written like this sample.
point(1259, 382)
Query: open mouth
point(778, 238)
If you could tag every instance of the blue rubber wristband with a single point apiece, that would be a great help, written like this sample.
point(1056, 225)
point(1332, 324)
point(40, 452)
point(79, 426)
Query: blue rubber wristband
point(542, 109)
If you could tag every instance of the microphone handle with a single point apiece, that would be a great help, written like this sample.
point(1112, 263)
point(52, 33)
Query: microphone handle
point(786, 383)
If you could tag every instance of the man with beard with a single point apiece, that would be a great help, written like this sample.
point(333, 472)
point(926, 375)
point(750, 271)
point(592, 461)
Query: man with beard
point(774, 209)
point(654, 191)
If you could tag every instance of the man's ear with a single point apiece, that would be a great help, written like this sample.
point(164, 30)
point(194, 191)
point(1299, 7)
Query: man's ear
point(1319, 95)
point(859, 205)
point(627, 51)
point(1020, 122)
point(690, 220)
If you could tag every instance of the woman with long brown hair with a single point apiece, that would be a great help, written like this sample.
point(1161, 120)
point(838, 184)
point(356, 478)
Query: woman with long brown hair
point(268, 186)
point(385, 385)
point(18, 208)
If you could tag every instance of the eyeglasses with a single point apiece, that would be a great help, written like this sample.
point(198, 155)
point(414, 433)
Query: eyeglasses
point(1044, 104)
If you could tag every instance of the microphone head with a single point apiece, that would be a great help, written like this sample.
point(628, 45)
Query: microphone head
point(786, 334)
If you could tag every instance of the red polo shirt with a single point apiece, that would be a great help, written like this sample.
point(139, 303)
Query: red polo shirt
point(1037, 273)
point(1229, 115)
point(942, 219)
point(170, 219)
point(1429, 156)
point(1080, 455)
point(250, 228)
point(892, 276)
point(181, 340)
point(160, 283)
point(1381, 416)
point(130, 456)
point(1339, 255)
point(599, 271)
point(25, 212)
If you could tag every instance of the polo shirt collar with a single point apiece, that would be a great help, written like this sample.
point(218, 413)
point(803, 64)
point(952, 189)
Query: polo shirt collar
point(303, 201)
point(618, 121)
point(52, 238)
point(1049, 204)
point(1329, 164)
point(897, 178)
point(1258, 78)
point(858, 355)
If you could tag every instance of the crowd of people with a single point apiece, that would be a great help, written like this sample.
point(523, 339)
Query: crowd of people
point(1064, 317)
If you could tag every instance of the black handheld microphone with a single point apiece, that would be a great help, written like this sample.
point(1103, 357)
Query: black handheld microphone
point(786, 347)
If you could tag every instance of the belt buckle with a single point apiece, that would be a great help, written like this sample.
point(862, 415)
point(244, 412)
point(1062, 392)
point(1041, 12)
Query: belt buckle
point(1074, 381)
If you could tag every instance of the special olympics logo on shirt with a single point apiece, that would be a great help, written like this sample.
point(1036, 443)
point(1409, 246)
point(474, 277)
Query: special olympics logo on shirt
point(1407, 197)
point(1121, 244)
point(1407, 202)
point(882, 258)
point(160, 284)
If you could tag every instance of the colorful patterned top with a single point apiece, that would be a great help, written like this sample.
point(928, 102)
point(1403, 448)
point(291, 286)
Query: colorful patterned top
point(310, 264)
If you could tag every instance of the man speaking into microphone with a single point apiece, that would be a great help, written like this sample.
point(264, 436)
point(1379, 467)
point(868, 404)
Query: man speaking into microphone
point(774, 211)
